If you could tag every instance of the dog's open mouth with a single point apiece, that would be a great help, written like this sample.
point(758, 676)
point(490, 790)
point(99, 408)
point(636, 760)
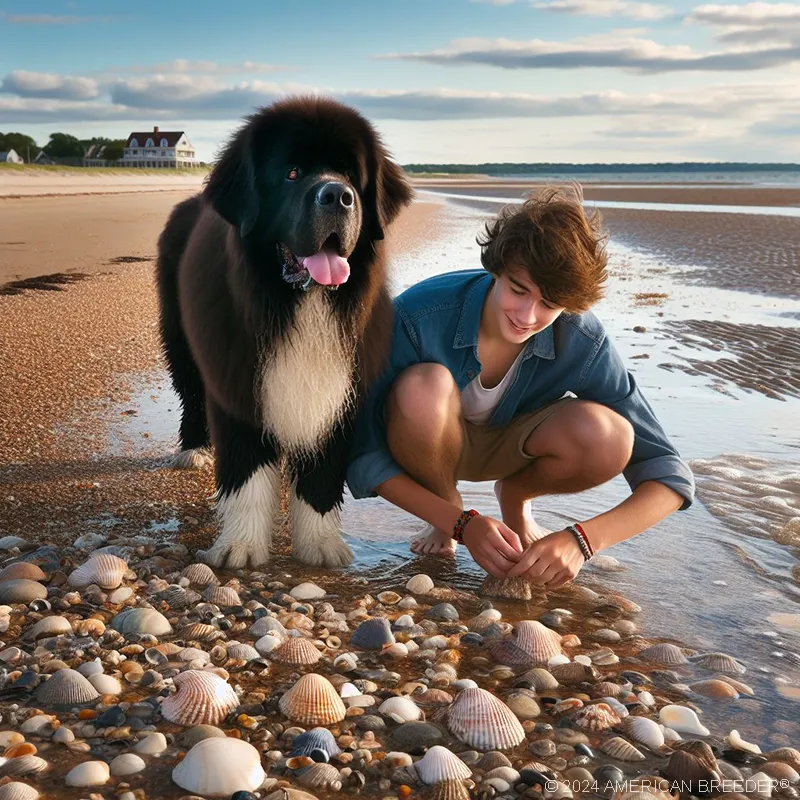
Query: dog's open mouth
point(326, 267)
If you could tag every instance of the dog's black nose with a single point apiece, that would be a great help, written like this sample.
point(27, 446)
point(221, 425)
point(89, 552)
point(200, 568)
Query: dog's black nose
point(335, 194)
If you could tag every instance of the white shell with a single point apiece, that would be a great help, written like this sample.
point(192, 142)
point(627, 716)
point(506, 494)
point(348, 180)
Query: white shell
point(219, 767)
point(483, 721)
point(89, 668)
point(90, 773)
point(664, 653)
point(307, 591)
point(152, 744)
point(200, 575)
point(18, 791)
point(464, 683)
point(267, 643)
point(737, 743)
point(106, 571)
point(203, 698)
point(759, 785)
point(419, 584)
point(682, 719)
point(127, 764)
point(141, 620)
point(50, 626)
point(264, 625)
point(643, 730)
point(105, 684)
point(440, 764)
point(313, 700)
point(400, 709)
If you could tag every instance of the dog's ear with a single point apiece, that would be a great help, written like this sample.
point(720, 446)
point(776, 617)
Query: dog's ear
point(231, 186)
point(387, 191)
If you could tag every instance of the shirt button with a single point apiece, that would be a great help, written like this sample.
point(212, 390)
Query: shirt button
point(470, 373)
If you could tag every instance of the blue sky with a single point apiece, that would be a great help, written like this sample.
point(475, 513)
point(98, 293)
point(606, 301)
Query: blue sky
point(443, 80)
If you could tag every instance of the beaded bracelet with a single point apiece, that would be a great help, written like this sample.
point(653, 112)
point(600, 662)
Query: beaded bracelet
point(582, 539)
point(461, 523)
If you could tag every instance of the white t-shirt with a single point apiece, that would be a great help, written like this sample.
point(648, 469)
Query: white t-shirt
point(477, 403)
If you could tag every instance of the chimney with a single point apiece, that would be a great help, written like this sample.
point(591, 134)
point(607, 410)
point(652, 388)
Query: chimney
point(155, 129)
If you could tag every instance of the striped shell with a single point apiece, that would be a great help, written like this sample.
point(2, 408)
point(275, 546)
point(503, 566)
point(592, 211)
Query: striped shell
point(203, 698)
point(786, 755)
point(373, 634)
point(18, 791)
point(433, 698)
point(644, 731)
point(618, 748)
point(483, 721)
point(449, 790)
point(24, 765)
point(596, 717)
point(574, 672)
point(224, 596)
point(718, 690)
point(103, 570)
point(507, 588)
point(541, 679)
point(200, 575)
point(67, 687)
point(531, 643)
point(320, 776)
point(296, 651)
point(691, 762)
point(315, 739)
point(440, 764)
point(313, 700)
point(22, 569)
point(664, 653)
point(200, 632)
point(720, 662)
point(242, 652)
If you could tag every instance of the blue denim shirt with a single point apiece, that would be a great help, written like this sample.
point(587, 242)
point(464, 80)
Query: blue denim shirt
point(437, 320)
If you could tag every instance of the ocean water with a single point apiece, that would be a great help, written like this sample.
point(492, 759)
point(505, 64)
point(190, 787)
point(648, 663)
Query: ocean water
point(759, 178)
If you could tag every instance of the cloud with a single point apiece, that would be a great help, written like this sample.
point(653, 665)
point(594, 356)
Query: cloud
point(750, 24)
point(602, 51)
point(195, 67)
point(49, 85)
point(606, 8)
point(51, 19)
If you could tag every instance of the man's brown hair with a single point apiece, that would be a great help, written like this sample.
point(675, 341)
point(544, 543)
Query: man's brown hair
point(552, 238)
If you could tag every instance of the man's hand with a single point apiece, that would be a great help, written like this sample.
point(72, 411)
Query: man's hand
point(492, 544)
point(551, 561)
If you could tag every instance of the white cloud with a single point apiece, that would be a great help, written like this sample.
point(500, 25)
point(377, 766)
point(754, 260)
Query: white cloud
point(750, 24)
point(195, 67)
point(606, 8)
point(44, 84)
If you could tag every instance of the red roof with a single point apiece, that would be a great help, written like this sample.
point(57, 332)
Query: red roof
point(172, 137)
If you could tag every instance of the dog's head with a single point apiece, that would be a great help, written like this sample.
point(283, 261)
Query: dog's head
point(310, 178)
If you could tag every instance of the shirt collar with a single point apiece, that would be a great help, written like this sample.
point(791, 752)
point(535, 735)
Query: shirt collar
point(541, 344)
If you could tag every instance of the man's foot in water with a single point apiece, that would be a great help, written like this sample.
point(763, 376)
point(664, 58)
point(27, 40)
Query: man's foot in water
point(518, 517)
point(433, 542)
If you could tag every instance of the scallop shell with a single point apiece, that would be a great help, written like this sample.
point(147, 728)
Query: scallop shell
point(494, 759)
point(373, 634)
point(102, 570)
point(720, 662)
point(296, 651)
point(313, 700)
point(449, 790)
point(618, 748)
point(203, 698)
point(320, 776)
point(67, 687)
point(224, 596)
point(716, 689)
point(24, 765)
point(200, 575)
point(541, 679)
point(315, 739)
point(18, 791)
point(668, 654)
point(786, 755)
point(682, 720)
point(644, 731)
point(531, 643)
point(200, 632)
point(483, 721)
point(692, 762)
point(419, 584)
point(440, 764)
point(574, 672)
point(242, 652)
point(596, 717)
point(22, 569)
point(219, 767)
point(433, 698)
point(400, 709)
point(507, 588)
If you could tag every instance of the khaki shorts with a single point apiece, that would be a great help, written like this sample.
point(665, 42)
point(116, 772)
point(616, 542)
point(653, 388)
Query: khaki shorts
point(491, 454)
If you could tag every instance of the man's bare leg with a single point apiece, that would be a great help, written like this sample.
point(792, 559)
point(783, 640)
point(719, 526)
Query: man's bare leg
point(425, 438)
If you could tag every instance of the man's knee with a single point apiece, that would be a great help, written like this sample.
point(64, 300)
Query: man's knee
point(423, 392)
point(601, 437)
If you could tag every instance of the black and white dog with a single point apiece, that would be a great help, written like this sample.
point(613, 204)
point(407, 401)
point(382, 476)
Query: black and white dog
point(267, 358)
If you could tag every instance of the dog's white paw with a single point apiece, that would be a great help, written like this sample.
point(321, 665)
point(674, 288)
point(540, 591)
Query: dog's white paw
point(197, 458)
point(331, 553)
point(228, 552)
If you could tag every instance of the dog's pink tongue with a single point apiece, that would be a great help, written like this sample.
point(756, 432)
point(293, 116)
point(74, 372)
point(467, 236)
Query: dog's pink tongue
point(327, 268)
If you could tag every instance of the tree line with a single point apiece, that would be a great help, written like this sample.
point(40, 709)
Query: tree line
point(60, 145)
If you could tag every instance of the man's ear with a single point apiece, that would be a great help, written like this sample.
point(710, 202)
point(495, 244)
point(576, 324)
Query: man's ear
point(387, 191)
point(231, 186)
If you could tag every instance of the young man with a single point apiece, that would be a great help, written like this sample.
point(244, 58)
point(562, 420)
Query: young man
point(503, 374)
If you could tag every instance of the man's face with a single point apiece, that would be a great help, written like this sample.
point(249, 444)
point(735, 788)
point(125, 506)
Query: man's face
point(520, 309)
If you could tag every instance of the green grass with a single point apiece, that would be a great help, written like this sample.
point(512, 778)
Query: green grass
point(40, 169)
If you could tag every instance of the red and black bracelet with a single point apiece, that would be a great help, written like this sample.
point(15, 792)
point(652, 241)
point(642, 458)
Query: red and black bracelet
point(576, 529)
point(461, 523)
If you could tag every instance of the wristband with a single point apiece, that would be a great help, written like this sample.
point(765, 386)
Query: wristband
point(461, 523)
point(582, 539)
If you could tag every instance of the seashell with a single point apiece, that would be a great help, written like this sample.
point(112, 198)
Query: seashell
point(606, 689)
point(127, 764)
point(10, 542)
point(740, 687)
point(346, 662)
point(737, 743)
point(261, 627)
point(315, 739)
point(219, 767)
point(781, 772)
point(786, 755)
point(101, 569)
point(541, 679)
point(307, 591)
point(419, 584)
point(400, 709)
point(90, 627)
point(682, 720)
point(720, 662)
point(373, 634)
point(603, 657)
point(719, 690)
point(105, 684)
point(320, 776)
point(190, 654)
point(21, 590)
point(24, 765)
point(440, 764)
point(494, 759)
point(200, 575)
point(692, 762)
point(267, 643)
point(389, 598)
point(203, 698)
point(22, 569)
point(506, 588)
point(483, 721)
point(433, 698)
point(664, 653)
point(523, 703)
point(50, 626)
point(200, 632)
point(596, 717)
point(573, 673)
point(762, 783)
point(141, 620)
point(618, 748)
point(296, 651)
point(242, 652)
point(67, 687)
point(484, 620)
point(449, 790)
point(644, 731)
point(18, 791)
point(313, 700)
point(224, 596)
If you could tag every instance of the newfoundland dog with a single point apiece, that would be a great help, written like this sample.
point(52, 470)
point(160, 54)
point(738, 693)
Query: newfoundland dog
point(276, 318)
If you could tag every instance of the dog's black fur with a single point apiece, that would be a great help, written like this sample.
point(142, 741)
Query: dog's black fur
point(226, 309)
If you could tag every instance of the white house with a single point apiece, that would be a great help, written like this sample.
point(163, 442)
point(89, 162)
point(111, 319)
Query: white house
point(10, 157)
point(158, 148)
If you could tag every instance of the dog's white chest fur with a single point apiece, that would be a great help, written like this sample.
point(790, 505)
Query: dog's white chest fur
point(307, 382)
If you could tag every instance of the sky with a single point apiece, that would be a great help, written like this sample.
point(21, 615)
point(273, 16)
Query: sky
point(444, 81)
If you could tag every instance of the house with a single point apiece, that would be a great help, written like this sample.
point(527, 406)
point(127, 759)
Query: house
point(94, 157)
point(43, 158)
point(10, 157)
point(158, 148)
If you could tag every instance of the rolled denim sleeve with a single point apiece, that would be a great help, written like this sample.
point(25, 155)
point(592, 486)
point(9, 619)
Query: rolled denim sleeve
point(371, 463)
point(605, 380)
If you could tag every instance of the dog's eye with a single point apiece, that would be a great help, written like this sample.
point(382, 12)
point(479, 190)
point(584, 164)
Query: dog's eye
point(293, 174)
